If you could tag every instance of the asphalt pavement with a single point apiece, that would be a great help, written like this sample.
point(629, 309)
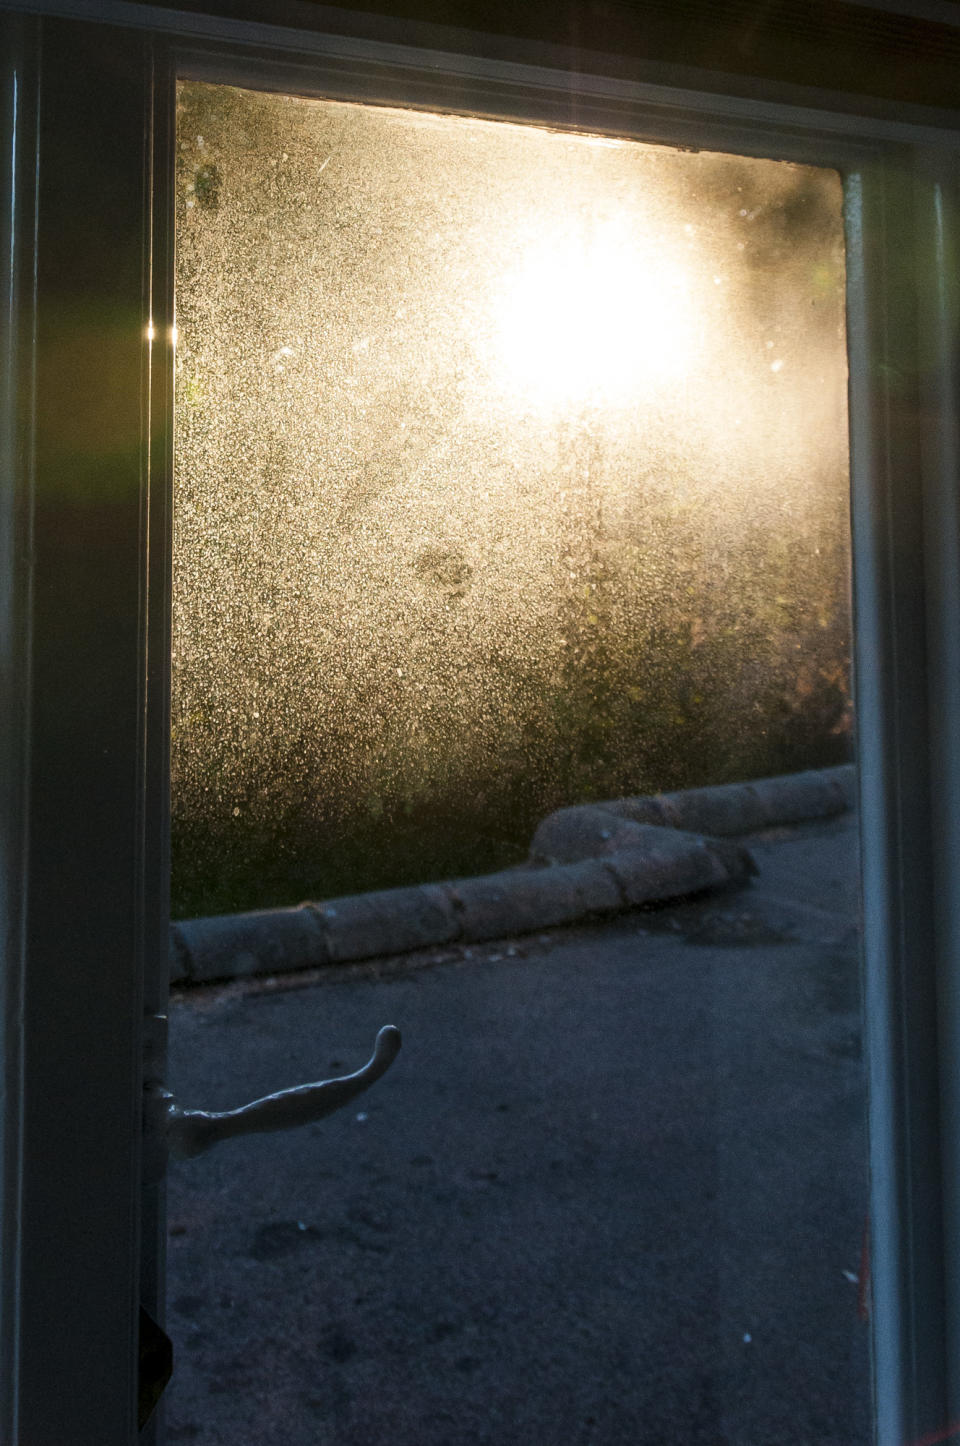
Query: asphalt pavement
point(612, 1191)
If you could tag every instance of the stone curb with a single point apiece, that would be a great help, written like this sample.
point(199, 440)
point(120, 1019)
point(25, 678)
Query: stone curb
point(589, 829)
point(661, 863)
point(591, 860)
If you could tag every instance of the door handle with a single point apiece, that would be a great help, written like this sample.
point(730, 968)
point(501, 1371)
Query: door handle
point(171, 1130)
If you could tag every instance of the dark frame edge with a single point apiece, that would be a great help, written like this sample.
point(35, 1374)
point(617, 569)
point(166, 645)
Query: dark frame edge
point(20, 45)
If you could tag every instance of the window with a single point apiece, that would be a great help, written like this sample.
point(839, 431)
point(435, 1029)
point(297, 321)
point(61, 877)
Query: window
point(75, 200)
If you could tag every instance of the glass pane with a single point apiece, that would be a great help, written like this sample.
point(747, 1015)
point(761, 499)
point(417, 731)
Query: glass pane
point(512, 474)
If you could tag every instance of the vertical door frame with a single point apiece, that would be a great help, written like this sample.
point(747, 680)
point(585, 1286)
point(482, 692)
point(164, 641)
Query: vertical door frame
point(82, 892)
point(896, 473)
point(18, 124)
point(938, 184)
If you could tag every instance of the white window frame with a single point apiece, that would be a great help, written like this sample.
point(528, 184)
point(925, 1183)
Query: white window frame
point(902, 200)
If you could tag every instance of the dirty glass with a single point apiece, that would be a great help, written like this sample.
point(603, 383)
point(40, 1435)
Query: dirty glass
point(511, 472)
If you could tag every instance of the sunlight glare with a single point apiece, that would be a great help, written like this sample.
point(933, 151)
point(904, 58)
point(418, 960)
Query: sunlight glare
point(598, 321)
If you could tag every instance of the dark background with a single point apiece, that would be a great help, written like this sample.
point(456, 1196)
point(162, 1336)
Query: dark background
point(864, 52)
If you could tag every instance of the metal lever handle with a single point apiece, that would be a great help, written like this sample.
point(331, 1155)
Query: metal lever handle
point(190, 1132)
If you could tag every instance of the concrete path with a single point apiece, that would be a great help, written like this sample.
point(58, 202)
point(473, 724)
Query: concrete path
point(612, 1192)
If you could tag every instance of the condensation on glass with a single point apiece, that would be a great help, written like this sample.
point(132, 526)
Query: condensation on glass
point(511, 471)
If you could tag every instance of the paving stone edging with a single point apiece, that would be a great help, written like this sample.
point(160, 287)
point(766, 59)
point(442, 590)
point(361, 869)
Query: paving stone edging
point(586, 830)
point(585, 861)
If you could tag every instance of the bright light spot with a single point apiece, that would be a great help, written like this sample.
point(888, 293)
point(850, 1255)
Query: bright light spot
point(173, 335)
point(601, 320)
point(151, 331)
point(776, 366)
point(607, 142)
